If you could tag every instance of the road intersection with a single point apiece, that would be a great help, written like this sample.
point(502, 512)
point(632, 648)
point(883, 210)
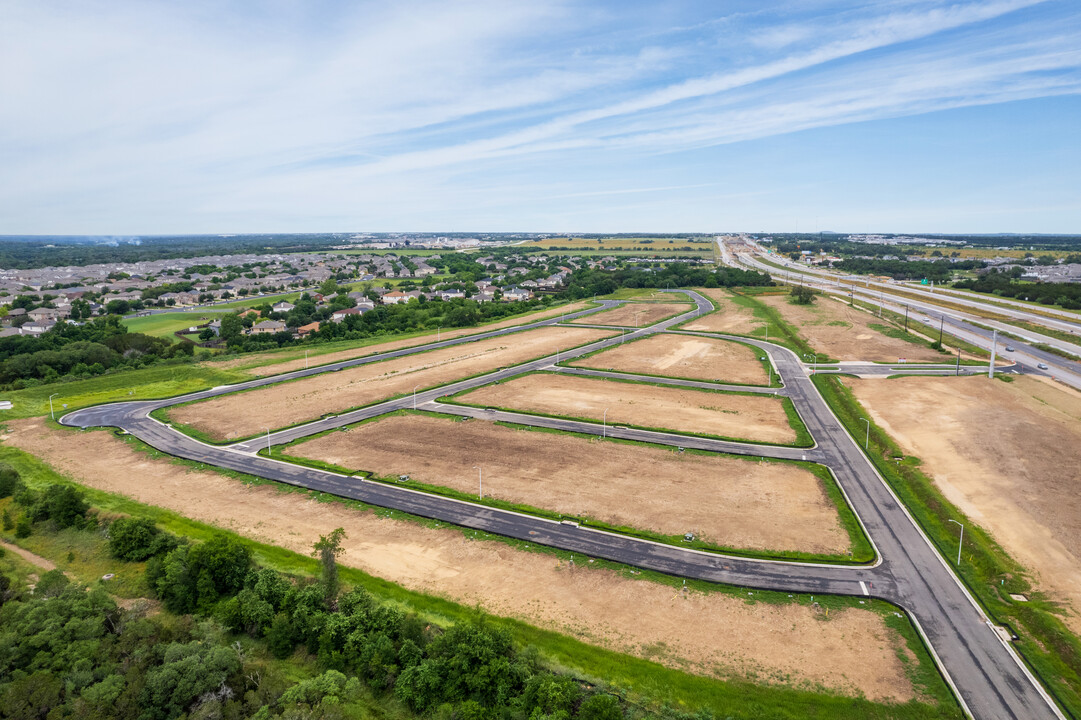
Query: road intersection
point(988, 677)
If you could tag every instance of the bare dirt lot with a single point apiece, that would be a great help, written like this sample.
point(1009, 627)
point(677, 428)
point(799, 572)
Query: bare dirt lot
point(843, 332)
point(235, 416)
point(294, 360)
point(728, 501)
point(713, 635)
point(727, 318)
point(1006, 454)
point(683, 356)
point(625, 315)
point(744, 417)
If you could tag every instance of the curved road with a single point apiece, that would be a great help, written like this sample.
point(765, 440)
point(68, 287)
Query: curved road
point(985, 672)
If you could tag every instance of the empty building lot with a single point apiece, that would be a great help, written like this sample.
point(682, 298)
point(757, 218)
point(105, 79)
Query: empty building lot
point(729, 317)
point(834, 328)
point(727, 415)
point(242, 414)
point(634, 314)
point(683, 356)
point(730, 502)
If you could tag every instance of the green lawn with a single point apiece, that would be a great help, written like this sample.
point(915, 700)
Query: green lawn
point(159, 381)
point(165, 324)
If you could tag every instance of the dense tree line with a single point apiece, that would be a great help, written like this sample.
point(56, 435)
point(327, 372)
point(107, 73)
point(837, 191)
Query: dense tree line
point(588, 282)
point(1065, 295)
point(937, 270)
point(412, 316)
point(49, 251)
point(69, 352)
point(68, 651)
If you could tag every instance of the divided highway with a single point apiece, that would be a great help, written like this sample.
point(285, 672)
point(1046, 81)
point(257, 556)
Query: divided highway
point(987, 675)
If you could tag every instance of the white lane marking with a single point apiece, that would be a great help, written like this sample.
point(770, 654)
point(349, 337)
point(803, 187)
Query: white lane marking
point(863, 587)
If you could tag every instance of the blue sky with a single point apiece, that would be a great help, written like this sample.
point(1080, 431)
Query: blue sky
point(122, 117)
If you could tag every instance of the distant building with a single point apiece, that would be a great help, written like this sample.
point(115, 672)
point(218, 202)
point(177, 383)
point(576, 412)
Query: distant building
point(305, 330)
point(268, 327)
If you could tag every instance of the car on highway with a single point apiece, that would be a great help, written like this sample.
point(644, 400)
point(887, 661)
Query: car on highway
point(1041, 366)
point(1009, 348)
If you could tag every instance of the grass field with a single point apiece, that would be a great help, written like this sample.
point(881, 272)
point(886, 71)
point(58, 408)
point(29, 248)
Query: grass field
point(165, 324)
point(622, 246)
point(160, 381)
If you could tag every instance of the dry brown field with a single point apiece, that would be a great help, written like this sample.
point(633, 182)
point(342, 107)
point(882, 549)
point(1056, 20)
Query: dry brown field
point(713, 635)
point(293, 360)
point(727, 501)
point(727, 318)
point(625, 315)
point(683, 356)
point(745, 417)
point(832, 327)
point(1007, 454)
point(236, 416)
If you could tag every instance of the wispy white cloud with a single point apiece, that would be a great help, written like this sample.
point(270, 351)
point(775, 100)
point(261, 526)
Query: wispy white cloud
point(114, 110)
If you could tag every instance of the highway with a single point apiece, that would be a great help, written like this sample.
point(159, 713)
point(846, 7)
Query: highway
point(973, 329)
point(986, 674)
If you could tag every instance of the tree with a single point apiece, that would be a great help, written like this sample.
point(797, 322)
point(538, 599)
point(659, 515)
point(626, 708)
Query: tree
point(232, 327)
point(23, 527)
point(600, 707)
point(136, 539)
point(327, 550)
point(64, 505)
point(802, 294)
point(10, 481)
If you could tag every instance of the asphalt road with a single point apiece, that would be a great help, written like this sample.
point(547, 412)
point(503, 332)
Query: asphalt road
point(986, 674)
point(954, 322)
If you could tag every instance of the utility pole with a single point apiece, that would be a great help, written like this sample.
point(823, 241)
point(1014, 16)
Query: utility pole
point(959, 542)
point(994, 347)
point(941, 322)
point(906, 318)
point(958, 371)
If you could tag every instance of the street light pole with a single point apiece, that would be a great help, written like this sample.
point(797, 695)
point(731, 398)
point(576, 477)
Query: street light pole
point(480, 482)
point(267, 440)
point(867, 437)
point(415, 396)
point(959, 542)
point(51, 414)
point(604, 424)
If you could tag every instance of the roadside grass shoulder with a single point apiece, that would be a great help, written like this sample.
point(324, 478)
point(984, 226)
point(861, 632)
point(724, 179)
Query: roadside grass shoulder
point(652, 688)
point(151, 383)
point(776, 328)
point(803, 436)
point(1044, 641)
